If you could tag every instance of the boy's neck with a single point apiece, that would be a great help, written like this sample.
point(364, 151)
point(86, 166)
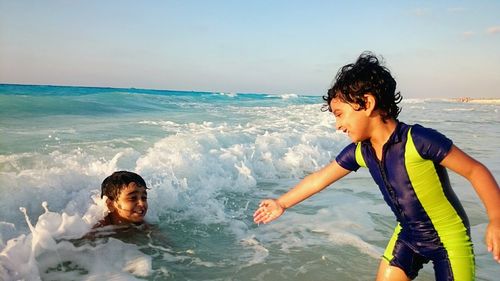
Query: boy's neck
point(382, 132)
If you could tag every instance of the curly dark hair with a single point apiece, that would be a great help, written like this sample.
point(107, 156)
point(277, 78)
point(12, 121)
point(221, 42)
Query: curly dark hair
point(112, 185)
point(367, 75)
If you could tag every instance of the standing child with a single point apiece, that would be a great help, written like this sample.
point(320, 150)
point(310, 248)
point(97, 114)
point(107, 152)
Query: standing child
point(127, 199)
point(408, 163)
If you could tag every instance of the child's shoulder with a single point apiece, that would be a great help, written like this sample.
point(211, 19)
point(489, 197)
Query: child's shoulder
point(430, 143)
point(425, 133)
point(104, 222)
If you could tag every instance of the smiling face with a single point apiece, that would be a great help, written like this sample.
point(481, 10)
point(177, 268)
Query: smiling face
point(350, 120)
point(130, 206)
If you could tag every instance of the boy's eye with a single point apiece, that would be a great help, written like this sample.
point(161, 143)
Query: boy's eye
point(134, 198)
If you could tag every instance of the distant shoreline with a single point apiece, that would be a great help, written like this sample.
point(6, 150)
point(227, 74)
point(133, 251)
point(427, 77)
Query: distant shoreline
point(478, 100)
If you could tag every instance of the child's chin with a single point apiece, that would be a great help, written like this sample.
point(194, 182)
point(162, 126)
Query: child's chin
point(137, 222)
point(140, 219)
point(137, 219)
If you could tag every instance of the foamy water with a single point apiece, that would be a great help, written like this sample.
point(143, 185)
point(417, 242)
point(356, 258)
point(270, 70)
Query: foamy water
point(209, 158)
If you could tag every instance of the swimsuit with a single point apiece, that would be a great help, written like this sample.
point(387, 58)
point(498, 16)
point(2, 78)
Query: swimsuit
point(432, 224)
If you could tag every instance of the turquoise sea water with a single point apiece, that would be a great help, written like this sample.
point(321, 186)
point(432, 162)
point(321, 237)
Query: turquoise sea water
point(208, 158)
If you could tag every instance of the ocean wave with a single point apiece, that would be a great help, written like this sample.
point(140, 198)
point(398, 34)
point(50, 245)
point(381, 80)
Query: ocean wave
point(208, 161)
point(413, 101)
point(459, 109)
point(231, 95)
point(283, 96)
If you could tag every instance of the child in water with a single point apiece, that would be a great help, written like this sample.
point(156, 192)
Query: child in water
point(127, 199)
point(408, 163)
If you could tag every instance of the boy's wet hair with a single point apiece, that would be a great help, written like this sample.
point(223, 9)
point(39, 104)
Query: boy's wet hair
point(112, 185)
point(367, 75)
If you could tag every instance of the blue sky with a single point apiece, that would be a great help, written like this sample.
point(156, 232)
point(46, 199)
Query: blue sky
point(433, 48)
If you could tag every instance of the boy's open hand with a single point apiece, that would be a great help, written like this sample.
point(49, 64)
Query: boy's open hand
point(493, 239)
point(269, 210)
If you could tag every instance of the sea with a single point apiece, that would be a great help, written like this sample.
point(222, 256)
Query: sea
point(208, 159)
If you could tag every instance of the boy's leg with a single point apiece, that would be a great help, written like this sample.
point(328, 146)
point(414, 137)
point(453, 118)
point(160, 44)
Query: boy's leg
point(399, 261)
point(462, 269)
point(387, 272)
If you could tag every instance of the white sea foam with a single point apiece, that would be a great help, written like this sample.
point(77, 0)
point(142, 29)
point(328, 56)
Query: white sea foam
point(232, 95)
point(283, 96)
point(237, 156)
point(47, 253)
point(459, 109)
point(289, 96)
point(413, 101)
point(260, 252)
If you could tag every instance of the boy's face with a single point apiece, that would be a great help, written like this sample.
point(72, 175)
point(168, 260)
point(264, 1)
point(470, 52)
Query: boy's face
point(131, 205)
point(349, 120)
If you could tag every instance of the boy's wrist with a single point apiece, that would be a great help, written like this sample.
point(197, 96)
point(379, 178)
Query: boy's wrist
point(281, 204)
point(493, 215)
point(494, 218)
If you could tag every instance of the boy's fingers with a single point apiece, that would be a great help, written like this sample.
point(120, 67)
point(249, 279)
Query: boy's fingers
point(257, 212)
point(493, 243)
point(262, 215)
point(257, 215)
point(266, 211)
point(489, 242)
point(260, 210)
point(496, 251)
point(267, 218)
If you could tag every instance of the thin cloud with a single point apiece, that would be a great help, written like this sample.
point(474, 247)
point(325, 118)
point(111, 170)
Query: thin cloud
point(467, 34)
point(421, 12)
point(493, 30)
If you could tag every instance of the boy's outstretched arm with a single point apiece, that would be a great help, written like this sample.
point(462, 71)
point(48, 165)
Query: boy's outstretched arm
point(486, 187)
point(271, 209)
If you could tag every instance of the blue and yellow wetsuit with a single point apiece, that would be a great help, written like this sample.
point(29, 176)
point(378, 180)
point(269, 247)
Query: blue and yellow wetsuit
point(432, 225)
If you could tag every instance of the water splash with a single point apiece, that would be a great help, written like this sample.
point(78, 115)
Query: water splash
point(48, 251)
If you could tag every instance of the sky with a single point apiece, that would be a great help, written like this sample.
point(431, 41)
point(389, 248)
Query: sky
point(433, 49)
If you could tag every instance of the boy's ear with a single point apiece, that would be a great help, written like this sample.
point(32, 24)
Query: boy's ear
point(110, 205)
point(370, 103)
